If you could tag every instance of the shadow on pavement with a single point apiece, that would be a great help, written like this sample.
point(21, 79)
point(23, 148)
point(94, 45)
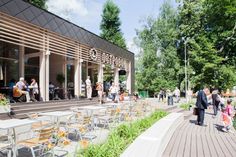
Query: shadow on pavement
point(219, 127)
point(209, 113)
point(193, 121)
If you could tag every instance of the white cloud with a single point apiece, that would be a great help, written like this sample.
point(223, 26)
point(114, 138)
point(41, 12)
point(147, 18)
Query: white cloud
point(85, 13)
point(67, 8)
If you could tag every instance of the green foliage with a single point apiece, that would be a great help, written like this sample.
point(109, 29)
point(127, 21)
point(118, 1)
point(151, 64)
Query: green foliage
point(159, 61)
point(210, 27)
point(110, 25)
point(187, 106)
point(39, 3)
point(3, 100)
point(121, 137)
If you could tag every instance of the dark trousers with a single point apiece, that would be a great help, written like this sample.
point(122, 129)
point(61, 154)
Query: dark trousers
point(215, 108)
point(200, 116)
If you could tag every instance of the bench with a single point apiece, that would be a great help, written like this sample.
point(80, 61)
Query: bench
point(153, 141)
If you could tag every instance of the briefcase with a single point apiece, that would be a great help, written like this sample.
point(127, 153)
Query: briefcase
point(195, 111)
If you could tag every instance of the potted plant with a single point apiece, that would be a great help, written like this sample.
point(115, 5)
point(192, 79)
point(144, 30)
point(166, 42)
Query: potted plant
point(4, 104)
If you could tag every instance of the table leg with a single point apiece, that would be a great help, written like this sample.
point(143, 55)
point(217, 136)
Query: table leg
point(15, 153)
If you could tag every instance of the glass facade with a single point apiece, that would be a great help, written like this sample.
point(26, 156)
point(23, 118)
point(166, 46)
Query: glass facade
point(9, 63)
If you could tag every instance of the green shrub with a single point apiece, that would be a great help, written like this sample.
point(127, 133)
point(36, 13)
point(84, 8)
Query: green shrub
point(121, 137)
point(186, 106)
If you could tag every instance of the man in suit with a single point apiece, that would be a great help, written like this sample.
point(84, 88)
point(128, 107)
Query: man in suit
point(201, 105)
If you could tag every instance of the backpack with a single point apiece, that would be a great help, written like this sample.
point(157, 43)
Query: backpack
point(218, 98)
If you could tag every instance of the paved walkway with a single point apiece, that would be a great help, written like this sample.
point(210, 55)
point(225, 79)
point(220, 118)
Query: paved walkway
point(197, 141)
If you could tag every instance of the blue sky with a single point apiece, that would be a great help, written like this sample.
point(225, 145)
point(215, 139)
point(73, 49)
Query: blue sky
point(87, 14)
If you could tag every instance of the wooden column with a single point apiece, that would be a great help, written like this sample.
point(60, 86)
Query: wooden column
point(44, 69)
point(77, 77)
point(128, 74)
point(116, 76)
point(100, 73)
point(47, 75)
point(42, 75)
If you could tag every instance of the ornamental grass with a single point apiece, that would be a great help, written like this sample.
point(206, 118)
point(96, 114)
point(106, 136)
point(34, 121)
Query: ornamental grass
point(121, 137)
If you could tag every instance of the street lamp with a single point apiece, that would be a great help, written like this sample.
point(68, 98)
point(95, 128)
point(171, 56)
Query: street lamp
point(185, 65)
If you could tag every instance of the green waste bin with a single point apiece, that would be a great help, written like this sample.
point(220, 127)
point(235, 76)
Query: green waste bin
point(143, 94)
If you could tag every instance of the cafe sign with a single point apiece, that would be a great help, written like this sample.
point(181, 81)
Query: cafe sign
point(93, 54)
point(110, 59)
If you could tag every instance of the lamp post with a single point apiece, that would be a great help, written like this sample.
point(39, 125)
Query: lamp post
point(185, 66)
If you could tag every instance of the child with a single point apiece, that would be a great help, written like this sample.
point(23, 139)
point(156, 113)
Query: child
point(227, 122)
point(229, 108)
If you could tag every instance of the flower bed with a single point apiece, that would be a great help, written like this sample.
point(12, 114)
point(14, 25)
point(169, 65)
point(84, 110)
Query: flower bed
point(120, 138)
point(4, 104)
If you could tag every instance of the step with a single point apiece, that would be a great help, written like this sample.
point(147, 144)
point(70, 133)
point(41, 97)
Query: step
point(25, 108)
point(21, 109)
point(24, 115)
point(37, 108)
point(49, 102)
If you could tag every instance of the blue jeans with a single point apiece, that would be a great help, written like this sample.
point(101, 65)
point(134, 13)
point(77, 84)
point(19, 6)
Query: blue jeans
point(113, 96)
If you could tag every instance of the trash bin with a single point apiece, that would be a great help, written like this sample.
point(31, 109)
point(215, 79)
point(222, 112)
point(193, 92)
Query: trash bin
point(143, 94)
point(170, 100)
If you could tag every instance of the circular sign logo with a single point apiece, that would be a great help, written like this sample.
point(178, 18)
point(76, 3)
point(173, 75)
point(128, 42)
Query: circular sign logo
point(93, 54)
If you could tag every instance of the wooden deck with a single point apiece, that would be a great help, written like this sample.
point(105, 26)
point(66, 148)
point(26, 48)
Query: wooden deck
point(197, 141)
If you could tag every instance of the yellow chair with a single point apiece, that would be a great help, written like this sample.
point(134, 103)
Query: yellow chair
point(5, 145)
point(42, 140)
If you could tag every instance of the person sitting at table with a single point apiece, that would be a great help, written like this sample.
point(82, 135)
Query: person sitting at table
point(35, 90)
point(19, 89)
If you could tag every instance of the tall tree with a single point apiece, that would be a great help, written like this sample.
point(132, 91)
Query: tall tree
point(209, 26)
point(160, 64)
point(110, 24)
point(39, 3)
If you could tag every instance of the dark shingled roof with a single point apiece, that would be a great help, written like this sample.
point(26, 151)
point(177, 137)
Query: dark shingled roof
point(32, 14)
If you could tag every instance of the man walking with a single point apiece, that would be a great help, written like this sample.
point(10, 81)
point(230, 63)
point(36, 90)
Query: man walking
point(177, 94)
point(201, 105)
point(215, 101)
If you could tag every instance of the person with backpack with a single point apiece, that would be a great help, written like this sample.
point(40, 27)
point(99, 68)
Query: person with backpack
point(215, 102)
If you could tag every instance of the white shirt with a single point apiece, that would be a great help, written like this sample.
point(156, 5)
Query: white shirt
point(113, 89)
point(177, 92)
point(21, 85)
point(35, 88)
point(88, 82)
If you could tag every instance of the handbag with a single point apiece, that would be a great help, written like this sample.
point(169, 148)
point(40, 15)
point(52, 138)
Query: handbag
point(17, 92)
point(195, 111)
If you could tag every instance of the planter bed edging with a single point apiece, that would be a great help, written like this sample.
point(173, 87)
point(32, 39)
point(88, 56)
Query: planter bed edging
point(154, 140)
